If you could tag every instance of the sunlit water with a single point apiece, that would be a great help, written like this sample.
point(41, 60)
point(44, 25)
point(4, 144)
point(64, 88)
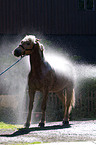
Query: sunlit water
point(71, 68)
point(79, 73)
point(14, 82)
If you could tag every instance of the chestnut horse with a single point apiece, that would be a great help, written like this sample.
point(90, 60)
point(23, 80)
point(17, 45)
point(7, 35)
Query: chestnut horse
point(42, 77)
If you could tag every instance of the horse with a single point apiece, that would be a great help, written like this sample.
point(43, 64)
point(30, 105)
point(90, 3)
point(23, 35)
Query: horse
point(42, 77)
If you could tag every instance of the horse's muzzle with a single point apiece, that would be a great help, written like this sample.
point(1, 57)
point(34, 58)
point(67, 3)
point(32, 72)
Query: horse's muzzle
point(17, 52)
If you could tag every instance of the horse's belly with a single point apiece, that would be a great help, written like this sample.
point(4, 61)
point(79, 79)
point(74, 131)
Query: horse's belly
point(59, 83)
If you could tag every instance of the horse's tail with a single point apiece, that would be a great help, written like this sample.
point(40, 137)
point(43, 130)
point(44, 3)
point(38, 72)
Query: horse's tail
point(73, 98)
point(72, 101)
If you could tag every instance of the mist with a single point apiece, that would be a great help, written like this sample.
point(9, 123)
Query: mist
point(13, 83)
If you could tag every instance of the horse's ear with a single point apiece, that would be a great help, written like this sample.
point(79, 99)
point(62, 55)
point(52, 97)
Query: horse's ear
point(37, 40)
point(26, 35)
point(42, 47)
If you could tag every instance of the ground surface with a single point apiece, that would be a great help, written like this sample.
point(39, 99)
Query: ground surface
point(53, 132)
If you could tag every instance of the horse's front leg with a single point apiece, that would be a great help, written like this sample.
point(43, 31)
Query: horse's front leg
point(31, 100)
point(43, 108)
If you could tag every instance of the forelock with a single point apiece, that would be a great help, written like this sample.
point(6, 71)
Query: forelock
point(31, 38)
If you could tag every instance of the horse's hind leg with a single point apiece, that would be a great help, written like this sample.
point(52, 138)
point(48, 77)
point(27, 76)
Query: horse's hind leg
point(69, 102)
point(31, 100)
point(62, 97)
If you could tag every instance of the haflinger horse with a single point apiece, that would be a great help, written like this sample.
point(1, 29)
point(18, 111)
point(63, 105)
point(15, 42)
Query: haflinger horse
point(42, 77)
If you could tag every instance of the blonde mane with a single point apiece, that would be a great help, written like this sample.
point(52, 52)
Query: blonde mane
point(30, 38)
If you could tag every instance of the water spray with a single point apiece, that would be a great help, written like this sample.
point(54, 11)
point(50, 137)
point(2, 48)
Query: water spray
point(60, 62)
point(11, 66)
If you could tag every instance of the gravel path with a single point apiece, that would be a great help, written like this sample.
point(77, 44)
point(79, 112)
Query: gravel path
point(53, 132)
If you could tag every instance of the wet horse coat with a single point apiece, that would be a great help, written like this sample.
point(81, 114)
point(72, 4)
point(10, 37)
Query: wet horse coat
point(44, 78)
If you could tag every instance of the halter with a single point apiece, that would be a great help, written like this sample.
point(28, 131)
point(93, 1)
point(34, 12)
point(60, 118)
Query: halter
point(27, 49)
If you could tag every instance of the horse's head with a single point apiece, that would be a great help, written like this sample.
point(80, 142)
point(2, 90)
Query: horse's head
point(27, 46)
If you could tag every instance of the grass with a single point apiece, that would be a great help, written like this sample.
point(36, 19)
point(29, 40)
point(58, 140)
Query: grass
point(9, 126)
point(6, 126)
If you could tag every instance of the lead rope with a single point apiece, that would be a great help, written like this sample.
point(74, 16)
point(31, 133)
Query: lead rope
point(11, 66)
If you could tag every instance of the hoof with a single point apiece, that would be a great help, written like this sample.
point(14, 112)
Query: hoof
point(26, 125)
point(41, 125)
point(65, 123)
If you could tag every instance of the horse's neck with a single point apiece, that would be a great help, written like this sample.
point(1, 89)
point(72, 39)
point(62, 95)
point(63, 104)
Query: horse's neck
point(36, 62)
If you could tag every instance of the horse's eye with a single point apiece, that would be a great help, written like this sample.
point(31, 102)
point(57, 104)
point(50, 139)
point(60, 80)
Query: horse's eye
point(28, 43)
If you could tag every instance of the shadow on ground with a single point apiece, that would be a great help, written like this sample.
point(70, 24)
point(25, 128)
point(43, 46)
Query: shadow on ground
point(23, 131)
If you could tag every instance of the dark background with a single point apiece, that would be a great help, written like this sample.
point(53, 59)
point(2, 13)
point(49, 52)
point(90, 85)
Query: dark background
point(65, 23)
